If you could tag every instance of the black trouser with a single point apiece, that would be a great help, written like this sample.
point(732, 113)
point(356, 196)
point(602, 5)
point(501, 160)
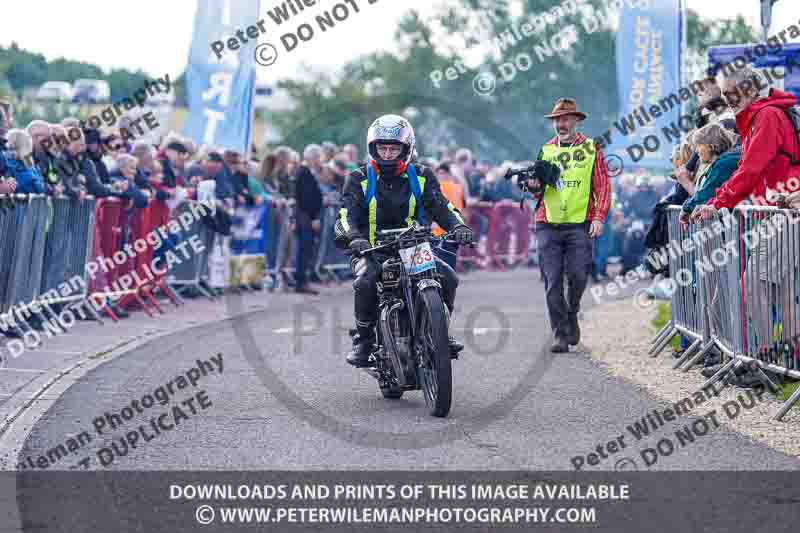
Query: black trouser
point(564, 249)
point(366, 291)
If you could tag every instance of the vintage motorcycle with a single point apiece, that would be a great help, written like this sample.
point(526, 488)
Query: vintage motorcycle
point(411, 352)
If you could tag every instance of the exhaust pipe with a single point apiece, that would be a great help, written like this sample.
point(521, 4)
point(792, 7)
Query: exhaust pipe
point(390, 345)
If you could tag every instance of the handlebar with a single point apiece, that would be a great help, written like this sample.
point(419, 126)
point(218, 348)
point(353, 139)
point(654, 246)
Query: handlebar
point(424, 230)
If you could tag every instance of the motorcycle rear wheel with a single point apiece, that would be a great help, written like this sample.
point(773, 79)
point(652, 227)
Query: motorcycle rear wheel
point(436, 371)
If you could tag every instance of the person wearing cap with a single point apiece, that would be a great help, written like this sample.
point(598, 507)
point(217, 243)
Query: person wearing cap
point(94, 151)
point(568, 219)
point(173, 159)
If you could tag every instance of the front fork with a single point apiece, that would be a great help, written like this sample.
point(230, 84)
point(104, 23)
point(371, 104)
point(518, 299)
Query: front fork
point(388, 317)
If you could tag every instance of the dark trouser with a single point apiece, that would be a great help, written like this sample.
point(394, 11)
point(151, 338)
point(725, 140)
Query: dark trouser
point(366, 291)
point(305, 243)
point(564, 249)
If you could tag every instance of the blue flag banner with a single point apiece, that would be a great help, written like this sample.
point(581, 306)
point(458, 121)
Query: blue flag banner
point(220, 90)
point(649, 51)
point(248, 245)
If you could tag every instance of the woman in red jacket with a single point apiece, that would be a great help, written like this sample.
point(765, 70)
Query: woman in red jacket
point(769, 150)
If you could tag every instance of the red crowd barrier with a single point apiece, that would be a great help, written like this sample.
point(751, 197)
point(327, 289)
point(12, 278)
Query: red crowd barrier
point(134, 280)
point(504, 220)
point(508, 219)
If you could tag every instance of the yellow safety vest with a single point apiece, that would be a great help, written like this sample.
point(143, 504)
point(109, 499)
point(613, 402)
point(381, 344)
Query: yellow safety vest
point(570, 204)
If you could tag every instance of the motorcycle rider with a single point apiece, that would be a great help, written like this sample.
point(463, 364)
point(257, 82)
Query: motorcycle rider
point(389, 192)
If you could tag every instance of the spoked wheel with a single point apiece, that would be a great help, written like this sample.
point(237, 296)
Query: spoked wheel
point(436, 375)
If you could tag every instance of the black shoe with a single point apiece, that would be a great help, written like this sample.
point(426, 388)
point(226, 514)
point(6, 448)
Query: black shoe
point(455, 347)
point(746, 381)
point(560, 345)
point(359, 355)
point(709, 371)
point(574, 336)
point(363, 345)
point(306, 289)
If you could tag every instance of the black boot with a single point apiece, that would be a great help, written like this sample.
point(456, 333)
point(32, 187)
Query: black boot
point(574, 336)
point(560, 345)
point(363, 344)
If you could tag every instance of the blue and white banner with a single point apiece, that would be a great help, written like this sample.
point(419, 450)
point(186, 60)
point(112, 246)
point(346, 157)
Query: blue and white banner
point(249, 230)
point(649, 51)
point(248, 245)
point(220, 89)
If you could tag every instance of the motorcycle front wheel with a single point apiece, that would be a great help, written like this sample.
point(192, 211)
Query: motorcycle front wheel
point(436, 378)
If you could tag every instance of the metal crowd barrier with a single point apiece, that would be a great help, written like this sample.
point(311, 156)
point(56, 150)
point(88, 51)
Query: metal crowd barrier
point(770, 282)
point(717, 273)
point(193, 274)
point(68, 247)
point(743, 294)
point(332, 263)
point(687, 309)
point(23, 221)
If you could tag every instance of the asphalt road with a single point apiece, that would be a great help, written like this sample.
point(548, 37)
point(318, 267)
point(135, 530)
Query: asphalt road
point(286, 399)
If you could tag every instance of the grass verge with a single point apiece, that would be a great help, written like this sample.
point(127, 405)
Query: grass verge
point(661, 320)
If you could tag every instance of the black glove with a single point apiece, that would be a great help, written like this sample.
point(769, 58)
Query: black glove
point(462, 234)
point(359, 245)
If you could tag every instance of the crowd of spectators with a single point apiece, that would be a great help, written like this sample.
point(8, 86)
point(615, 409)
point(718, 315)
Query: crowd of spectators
point(743, 151)
point(65, 160)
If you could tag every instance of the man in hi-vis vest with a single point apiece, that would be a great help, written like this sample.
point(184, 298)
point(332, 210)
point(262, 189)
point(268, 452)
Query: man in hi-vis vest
point(568, 217)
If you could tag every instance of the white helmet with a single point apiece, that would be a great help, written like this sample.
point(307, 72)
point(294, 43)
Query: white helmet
point(391, 129)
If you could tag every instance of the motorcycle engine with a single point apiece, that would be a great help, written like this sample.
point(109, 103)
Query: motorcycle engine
point(390, 273)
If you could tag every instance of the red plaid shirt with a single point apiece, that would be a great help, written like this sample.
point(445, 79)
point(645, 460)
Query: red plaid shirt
point(600, 199)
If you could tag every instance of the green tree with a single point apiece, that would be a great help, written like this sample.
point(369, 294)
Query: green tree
point(506, 124)
point(702, 34)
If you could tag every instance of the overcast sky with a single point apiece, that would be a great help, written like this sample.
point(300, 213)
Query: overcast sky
point(155, 35)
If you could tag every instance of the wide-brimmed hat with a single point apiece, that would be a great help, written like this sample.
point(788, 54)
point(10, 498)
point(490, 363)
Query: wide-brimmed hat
point(566, 106)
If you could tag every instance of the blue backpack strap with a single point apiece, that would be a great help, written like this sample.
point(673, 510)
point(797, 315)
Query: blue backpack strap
point(372, 181)
point(413, 181)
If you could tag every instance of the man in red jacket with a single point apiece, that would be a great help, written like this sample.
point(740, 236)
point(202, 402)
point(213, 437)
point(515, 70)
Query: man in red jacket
point(769, 149)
